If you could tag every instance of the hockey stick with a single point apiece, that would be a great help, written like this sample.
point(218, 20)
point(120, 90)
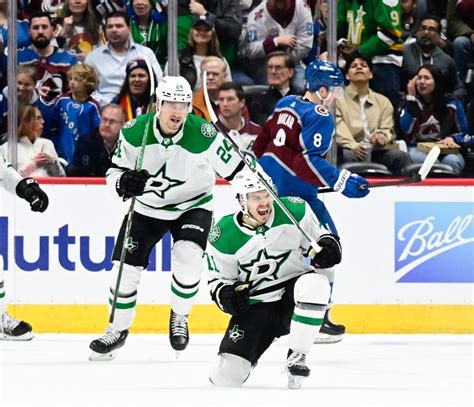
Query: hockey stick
point(138, 167)
point(414, 179)
point(248, 161)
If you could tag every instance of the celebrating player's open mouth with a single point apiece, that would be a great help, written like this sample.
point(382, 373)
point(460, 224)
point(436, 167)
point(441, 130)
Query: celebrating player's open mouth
point(259, 206)
point(172, 115)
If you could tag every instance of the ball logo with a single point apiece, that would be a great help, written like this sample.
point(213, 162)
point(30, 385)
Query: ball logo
point(434, 242)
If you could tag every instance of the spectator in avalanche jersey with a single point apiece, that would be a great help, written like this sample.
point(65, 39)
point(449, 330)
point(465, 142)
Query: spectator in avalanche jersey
point(77, 113)
point(279, 25)
point(51, 63)
point(431, 114)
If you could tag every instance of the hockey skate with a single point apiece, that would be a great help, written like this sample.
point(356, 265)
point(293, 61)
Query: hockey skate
point(330, 332)
point(179, 333)
point(105, 348)
point(296, 369)
point(12, 329)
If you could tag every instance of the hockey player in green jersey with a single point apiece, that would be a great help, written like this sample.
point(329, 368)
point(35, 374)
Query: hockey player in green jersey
point(374, 27)
point(257, 273)
point(174, 187)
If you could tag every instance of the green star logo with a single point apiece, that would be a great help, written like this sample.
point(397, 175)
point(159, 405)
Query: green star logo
point(160, 183)
point(263, 267)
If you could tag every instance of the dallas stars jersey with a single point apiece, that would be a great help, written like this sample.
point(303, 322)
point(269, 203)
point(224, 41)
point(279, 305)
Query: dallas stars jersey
point(374, 27)
point(265, 257)
point(183, 167)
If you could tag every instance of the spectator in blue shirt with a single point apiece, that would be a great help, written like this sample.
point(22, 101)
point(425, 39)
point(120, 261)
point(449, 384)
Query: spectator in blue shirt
point(77, 113)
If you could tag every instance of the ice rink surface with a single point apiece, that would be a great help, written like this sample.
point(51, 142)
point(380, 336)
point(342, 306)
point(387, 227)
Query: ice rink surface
point(362, 370)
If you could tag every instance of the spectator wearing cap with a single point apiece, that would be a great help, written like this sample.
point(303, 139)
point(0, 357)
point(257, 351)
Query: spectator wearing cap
point(202, 43)
point(134, 97)
point(146, 23)
point(110, 60)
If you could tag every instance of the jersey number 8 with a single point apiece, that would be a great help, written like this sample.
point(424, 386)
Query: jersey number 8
point(317, 140)
point(280, 138)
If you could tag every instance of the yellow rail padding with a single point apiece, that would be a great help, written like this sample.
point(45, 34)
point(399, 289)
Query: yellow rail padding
point(207, 318)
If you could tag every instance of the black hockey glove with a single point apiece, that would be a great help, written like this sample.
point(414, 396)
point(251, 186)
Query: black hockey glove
point(29, 190)
point(234, 298)
point(330, 254)
point(132, 183)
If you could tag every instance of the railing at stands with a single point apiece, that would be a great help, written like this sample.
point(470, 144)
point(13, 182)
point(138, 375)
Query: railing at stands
point(433, 182)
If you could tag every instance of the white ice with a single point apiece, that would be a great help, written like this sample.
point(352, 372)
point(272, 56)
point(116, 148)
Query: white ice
point(362, 370)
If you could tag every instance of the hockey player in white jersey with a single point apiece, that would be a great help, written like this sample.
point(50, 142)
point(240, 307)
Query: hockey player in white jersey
point(28, 189)
point(257, 273)
point(182, 155)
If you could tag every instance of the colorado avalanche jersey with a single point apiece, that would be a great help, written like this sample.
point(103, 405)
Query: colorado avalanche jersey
point(75, 119)
point(245, 137)
point(292, 146)
point(265, 257)
point(183, 167)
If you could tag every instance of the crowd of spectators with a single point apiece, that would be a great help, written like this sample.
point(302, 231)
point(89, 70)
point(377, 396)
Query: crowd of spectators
point(409, 67)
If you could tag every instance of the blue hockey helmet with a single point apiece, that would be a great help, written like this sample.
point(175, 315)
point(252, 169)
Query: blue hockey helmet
point(322, 73)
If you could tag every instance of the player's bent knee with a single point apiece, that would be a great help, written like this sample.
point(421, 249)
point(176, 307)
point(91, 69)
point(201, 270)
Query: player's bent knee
point(187, 260)
point(130, 277)
point(230, 371)
point(329, 273)
point(312, 288)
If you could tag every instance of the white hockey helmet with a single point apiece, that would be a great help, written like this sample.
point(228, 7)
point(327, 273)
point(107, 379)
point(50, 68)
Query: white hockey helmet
point(174, 89)
point(246, 181)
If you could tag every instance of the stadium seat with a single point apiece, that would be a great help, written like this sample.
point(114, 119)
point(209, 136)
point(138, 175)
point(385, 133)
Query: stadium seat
point(437, 171)
point(367, 169)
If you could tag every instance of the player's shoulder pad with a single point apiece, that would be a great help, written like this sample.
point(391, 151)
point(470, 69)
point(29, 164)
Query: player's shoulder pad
point(286, 101)
point(321, 110)
point(199, 134)
point(216, 230)
point(133, 130)
point(226, 237)
point(295, 205)
point(201, 126)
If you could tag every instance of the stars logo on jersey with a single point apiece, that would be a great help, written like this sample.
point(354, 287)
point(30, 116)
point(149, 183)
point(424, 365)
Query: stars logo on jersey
point(263, 267)
point(130, 245)
point(214, 234)
point(130, 124)
point(208, 130)
point(295, 199)
point(160, 183)
point(236, 334)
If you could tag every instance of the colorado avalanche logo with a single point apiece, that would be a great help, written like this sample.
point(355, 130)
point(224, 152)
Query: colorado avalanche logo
point(321, 110)
point(129, 124)
point(208, 130)
point(214, 234)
